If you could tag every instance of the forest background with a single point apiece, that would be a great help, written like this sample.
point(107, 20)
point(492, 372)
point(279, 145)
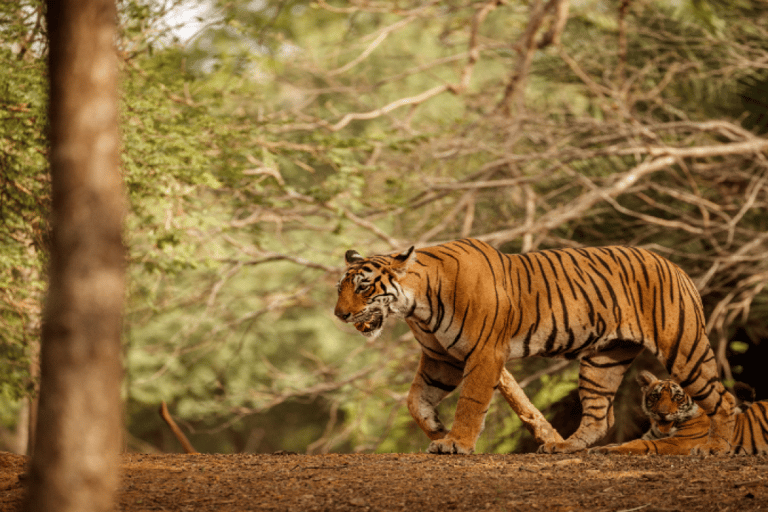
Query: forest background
point(276, 135)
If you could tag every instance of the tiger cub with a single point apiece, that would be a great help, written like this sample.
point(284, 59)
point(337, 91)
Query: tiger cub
point(678, 424)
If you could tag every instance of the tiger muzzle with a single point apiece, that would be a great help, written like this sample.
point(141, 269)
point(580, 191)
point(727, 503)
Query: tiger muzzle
point(341, 314)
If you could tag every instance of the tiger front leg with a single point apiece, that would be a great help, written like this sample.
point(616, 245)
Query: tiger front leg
point(668, 446)
point(480, 379)
point(636, 447)
point(434, 380)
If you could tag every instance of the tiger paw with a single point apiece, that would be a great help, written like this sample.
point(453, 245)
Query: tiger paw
point(449, 446)
point(707, 449)
point(602, 450)
point(564, 447)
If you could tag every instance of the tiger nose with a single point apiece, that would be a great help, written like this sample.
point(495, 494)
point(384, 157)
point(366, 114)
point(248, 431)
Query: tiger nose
point(343, 315)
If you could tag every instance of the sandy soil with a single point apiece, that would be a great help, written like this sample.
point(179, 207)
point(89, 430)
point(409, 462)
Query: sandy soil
point(415, 482)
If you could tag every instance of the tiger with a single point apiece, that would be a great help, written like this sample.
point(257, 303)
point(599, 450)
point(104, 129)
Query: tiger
point(472, 308)
point(678, 424)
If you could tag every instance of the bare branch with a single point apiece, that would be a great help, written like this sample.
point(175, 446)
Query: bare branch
point(402, 102)
point(383, 33)
point(526, 46)
point(562, 215)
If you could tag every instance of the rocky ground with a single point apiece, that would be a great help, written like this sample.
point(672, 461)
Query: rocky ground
point(415, 482)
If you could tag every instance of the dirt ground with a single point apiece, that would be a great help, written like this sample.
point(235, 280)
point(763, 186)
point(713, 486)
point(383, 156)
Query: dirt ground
point(415, 482)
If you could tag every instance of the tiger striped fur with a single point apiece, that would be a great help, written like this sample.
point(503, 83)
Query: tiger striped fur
point(472, 308)
point(678, 424)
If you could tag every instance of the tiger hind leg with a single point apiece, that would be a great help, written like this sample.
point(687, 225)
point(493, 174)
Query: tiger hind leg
point(701, 382)
point(720, 406)
point(599, 378)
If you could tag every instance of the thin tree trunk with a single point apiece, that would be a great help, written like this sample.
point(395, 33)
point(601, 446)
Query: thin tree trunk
point(77, 441)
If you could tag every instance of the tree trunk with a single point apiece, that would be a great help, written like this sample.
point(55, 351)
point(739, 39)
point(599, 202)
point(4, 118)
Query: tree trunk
point(77, 441)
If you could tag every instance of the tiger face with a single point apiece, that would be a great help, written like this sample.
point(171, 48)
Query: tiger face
point(370, 290)
point(666, 404)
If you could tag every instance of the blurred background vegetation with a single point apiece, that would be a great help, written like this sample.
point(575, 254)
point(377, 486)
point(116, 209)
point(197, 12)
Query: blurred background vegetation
point(264, 138)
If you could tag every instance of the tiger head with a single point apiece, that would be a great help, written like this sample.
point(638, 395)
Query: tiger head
point(370, 290)
point(665, 403)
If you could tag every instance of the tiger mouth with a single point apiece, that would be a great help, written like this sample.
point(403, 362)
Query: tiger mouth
point(370, 326)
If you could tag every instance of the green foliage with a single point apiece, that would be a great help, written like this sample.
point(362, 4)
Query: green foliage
point(24, 192)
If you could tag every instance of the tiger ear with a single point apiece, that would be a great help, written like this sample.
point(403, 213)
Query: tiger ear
point(403, 260)
point(404, 256)
point(646, 378)
point(352, 256)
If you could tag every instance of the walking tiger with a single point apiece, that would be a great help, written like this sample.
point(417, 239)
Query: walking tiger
point(678, 424)
point(472, 308)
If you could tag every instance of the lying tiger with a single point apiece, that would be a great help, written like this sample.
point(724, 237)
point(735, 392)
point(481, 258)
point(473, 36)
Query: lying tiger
point(472, 308)
point(678, 424)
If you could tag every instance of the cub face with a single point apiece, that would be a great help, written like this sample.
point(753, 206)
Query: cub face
point(665, 403)
point(370, 290)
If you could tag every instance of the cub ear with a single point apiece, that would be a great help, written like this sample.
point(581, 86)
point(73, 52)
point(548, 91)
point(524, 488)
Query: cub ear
point(352, 256)
point(646, 378)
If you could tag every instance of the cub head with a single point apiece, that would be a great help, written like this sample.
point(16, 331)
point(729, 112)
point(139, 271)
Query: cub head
point(665, 403)
point(370, 290)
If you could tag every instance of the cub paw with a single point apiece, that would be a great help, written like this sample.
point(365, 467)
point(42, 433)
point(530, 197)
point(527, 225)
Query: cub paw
point(564, 447)
point(449, 446)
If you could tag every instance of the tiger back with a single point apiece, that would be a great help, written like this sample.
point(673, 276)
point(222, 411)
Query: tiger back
point(678, 424)
point(471, 308)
